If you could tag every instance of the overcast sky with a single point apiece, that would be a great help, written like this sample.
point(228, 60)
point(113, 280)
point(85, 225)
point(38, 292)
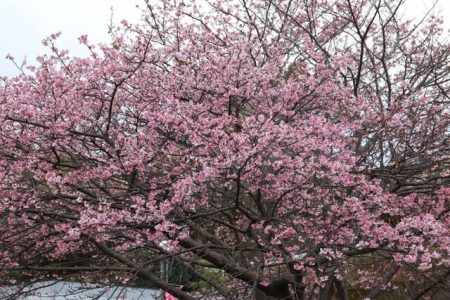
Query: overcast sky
point(24, 23)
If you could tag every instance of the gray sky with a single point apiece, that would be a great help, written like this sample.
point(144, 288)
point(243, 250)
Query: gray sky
point(24, 23)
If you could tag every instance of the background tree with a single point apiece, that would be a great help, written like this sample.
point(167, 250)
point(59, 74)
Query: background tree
point(298, 146)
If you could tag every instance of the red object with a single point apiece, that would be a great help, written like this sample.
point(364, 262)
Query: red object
point(168, 296)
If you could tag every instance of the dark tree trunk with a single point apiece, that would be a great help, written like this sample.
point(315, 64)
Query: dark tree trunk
point(278, 289)
point(327, 291)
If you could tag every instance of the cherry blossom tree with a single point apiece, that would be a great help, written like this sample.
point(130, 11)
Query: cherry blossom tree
point(298, 147)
